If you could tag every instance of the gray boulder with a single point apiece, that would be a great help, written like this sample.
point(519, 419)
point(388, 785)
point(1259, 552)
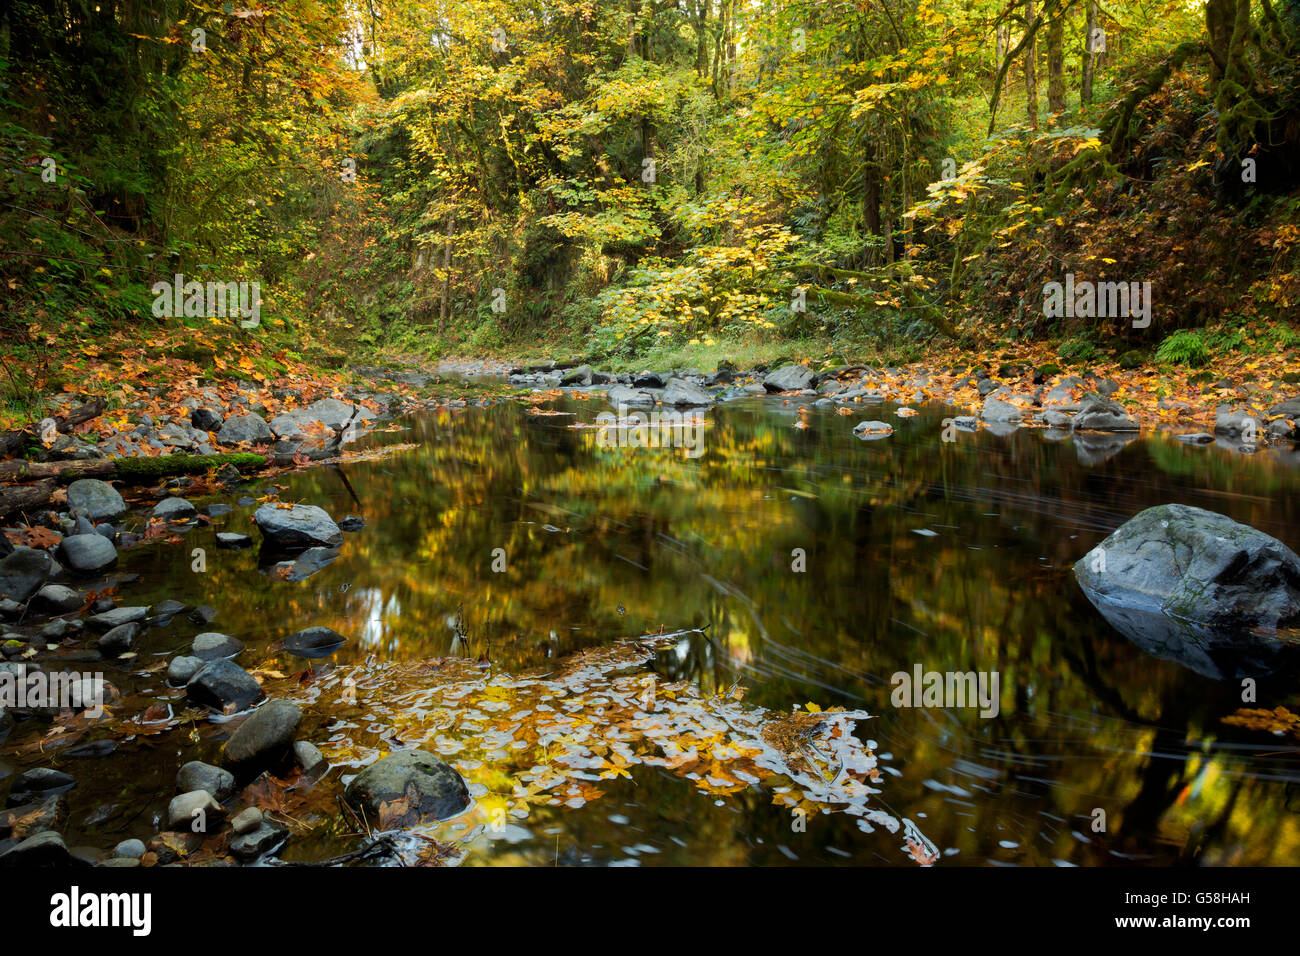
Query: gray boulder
point(211, 646)
point(97, 500)
point(224, 683)
point(265, 839)
point(871, 431)
point(998, 409)
point(580, 376)
point(129, 849)
point(1288, 409)
point(286, 426)
point(182, 668)
point(116, 617)
point(314, 642)
point(791, 378)
point(38, 784)
point(297, 528)
point(118, 640)
point(1236, 421)
point(1103, 415)
point(683, 394)
point(308, 757)
point(246, 820)
point(196, 810)
point(174, 509)
point(407, 788)
point(243, 429)
point(87, 553)
point(332, 413)
point(1198, 566)
point(23, 572)
point(44, 849)
point(56, 599)
point(265, 739)
point(197, 775)
point(622, 395)
point(205, 419)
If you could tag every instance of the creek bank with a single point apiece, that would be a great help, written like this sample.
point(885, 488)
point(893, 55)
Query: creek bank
point(1086, 406)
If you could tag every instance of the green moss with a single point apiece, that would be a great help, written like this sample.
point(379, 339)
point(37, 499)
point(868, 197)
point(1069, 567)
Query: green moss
point(148, 470)
point(1132, 359)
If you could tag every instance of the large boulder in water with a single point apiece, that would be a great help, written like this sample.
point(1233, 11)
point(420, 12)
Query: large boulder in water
point(223, 684)
point(1103, 415)
point(1195, 566)
point(297, 528)
point(406, 788)
point(265, 739)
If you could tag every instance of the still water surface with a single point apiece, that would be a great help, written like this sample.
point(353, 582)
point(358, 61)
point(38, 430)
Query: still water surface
point(952, 556)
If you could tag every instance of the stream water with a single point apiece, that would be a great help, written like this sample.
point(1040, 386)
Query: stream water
point(817, 565)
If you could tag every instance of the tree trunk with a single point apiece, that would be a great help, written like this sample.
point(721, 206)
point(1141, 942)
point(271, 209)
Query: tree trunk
point(1031, 74)
point(1220, 15)
point(1235, 120)
point(871, 201)
point(1089, 55)
point(446, 280)
point(1056, 64)
point(702, 38)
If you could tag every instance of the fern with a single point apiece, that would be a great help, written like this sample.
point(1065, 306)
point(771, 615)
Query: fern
point(1184, 348)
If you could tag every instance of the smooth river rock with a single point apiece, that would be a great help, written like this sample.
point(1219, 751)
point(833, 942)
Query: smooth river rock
point(265, 739)
point(223, 683)
point(23, 572)
point(407, 788)
point(87, 553)
point(97, 500)
point(297, 528)
point(1197, 566)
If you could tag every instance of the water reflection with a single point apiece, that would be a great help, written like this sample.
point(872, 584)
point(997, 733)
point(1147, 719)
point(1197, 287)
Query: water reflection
point(954, 555)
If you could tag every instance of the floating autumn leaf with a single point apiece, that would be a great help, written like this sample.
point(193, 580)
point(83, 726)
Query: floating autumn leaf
point(1279, 720)
point(547, 740)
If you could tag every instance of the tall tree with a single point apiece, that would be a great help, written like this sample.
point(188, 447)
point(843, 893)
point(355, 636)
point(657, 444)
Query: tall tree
point(1089, 54)
point(1056, 62)
point(1031, 74)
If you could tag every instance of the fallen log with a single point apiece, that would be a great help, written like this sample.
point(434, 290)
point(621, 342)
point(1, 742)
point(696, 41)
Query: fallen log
point(141, 470)
point(16, 498)
point(12, 441)
point(19, 470)
point(132, 471)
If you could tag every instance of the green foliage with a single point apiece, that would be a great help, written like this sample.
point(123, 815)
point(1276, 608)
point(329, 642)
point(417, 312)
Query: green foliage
point(1184, 348)
point(657, 177)
point(1078, 351)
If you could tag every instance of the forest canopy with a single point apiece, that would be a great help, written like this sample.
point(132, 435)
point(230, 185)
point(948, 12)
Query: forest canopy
point(643, 174)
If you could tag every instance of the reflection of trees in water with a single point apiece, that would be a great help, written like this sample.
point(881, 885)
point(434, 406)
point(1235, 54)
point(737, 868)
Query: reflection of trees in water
point(707, 543)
